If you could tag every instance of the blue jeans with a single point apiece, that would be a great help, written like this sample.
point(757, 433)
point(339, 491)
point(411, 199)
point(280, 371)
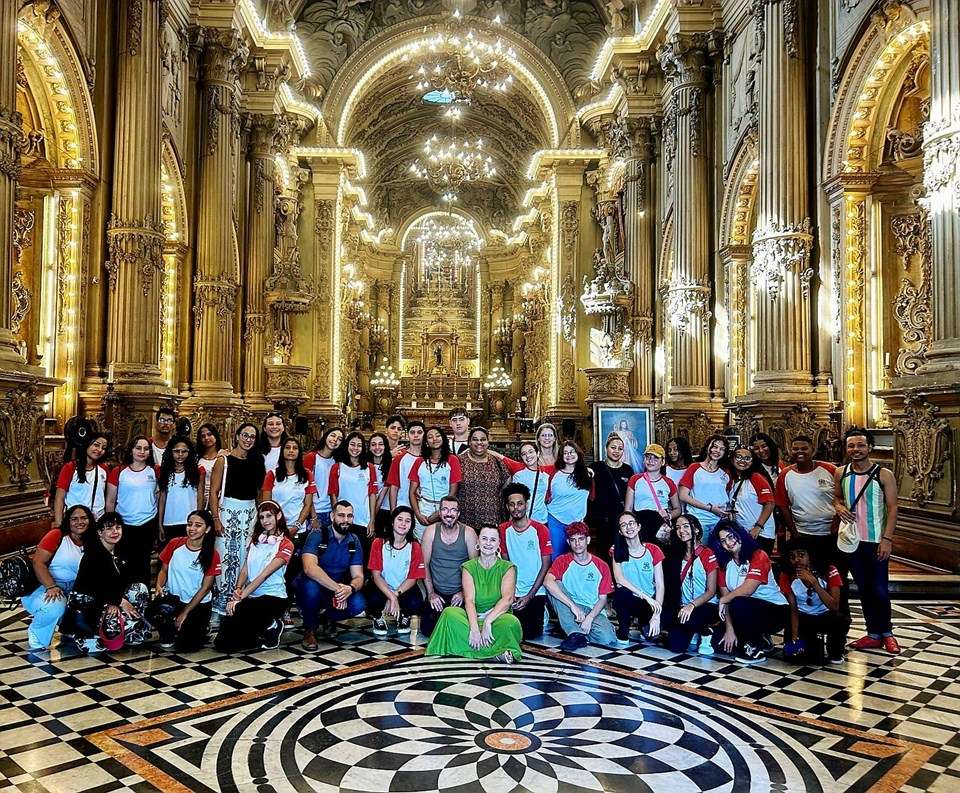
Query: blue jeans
point(601, 631)
point(46, 617)
point(558, 536)
point(312, 598)
point(873, 587)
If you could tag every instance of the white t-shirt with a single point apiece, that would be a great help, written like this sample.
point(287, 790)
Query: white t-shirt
point(207, 467)
point(181, 499)
point(399, 475)
point(757, 569)
point(526, 550)
point(290, 494)
point(674, 474)
point(136, 493)
point(643, 498)
point(708, 487)
point(271, 459)
point(321, 479)
point(435, 480)
point(396, 566)
point(566, 502)
point(356, 485)
point(749, 498)
point(184, 575)
point(641, 570)
point(259, 555)
point(809, 497)
point(90, 494)
point(158, 452)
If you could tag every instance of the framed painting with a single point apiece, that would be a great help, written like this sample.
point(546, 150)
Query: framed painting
point(633, 423)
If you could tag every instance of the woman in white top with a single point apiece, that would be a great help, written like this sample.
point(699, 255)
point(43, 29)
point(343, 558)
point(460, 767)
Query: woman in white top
point(291, 485)
point(180, 480)
point(255, 611)
point(435, 475)
point(272, 436)
point(546, 439)
point(319, 463)
point(209, 448)
point(528, 471)
point(703, 486)
point(650, 490)
point(55, 563)
point(85, 483)
point(568, 491)
point(381, 458)
point(132, 492)
point(751, 498)
point(354, 480)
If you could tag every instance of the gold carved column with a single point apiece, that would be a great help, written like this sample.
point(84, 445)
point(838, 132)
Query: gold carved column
point(216, 281)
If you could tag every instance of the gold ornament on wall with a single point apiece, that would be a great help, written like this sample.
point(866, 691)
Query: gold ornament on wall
point(922, 446)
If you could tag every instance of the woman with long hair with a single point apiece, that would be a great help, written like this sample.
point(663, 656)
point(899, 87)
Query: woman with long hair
point(703, 487)
point(691, 571)
point(291, 485)
point(679, 458)
point(611, 477)
point(56, 562)
point(750, 498)
point(436, 474)
point(381, 458)
point(209, 447)
point(180, 610)
point(569, 489)
point(530, 472)
point(236, 483)
point(638, 574)
point(354, 480)
point(273, 433)
point(751, 604)
point(319, 462)
point(254, 614)
point(396, 565)
point(132, 492)
point(180, 480)
point(768, 453)
point(484, 477)
point(546, 440)
point(83, 483)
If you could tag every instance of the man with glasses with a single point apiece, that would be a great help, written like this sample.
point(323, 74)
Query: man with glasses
point(578, 584)
point(165, 423)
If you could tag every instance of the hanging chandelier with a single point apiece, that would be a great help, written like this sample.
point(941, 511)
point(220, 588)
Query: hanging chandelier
point(449, 248)
point(447, 163)
point(460, 60)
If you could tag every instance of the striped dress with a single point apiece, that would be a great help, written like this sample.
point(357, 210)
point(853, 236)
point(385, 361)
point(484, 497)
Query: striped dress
point(871, 509)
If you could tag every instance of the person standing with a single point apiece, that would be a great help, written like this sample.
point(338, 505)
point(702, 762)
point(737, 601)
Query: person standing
point(768, 453)
point(398, 479)
point(394, 432)
point(651, 490)
point(569, 489)
point(703, 486)
point(546, 440)
point(83, 482)
point(526, 543)
point(291, 485)
point(209, 448)
point(132, 492)
point(804, 493)
point(272, 436)
point(679, 458)
point(165, 422)
point(459, 427)
point(237, 480)
point(611, 477)
point(354, 480)
point(529, 472)
point(381, 458)
point(865, 498)
point(320, 462)
point(579, 584)
point(434, 476)
point(446, 546)
point(483, 477)
point(180, 481)
point(750, 498)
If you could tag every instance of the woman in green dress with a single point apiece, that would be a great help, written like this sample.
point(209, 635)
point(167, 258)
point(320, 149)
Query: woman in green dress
point(484, 627)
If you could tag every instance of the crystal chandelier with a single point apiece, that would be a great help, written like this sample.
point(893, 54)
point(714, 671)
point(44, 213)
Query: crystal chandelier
point(460, 60)
point(385, 377)
point(448, 247)
point(497, 378)
point(446, 163)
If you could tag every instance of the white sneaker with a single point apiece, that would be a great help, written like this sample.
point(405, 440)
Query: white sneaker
point(706, 645)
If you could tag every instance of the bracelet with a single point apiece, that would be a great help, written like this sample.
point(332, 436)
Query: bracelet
point(55, 586)
point(757, 526)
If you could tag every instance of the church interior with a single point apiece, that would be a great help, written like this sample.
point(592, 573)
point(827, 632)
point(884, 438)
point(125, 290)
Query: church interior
point(702, 217)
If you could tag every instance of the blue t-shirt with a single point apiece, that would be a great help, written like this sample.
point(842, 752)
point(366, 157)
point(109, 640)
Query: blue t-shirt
point(336, 558)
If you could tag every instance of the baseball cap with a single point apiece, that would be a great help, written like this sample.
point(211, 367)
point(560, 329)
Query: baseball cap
point(655, 448)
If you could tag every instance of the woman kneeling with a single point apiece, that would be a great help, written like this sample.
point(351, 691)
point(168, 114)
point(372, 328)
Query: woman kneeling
point(483, 628)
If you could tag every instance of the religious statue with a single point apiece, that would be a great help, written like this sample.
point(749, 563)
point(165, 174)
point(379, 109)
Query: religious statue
point(438, 356)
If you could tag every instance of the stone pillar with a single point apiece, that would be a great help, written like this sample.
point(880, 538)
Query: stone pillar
point(325, 176)
point(135, 236)
point(259, 259)
point(12, 142)
point(639, 239)
point(781, 269)
point(215, 283)
point(686, 148)
point(941, 175)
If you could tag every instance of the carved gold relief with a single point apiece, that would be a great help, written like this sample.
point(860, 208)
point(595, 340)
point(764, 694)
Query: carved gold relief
point(912, 305)
point(922, 444)
point(21, 428)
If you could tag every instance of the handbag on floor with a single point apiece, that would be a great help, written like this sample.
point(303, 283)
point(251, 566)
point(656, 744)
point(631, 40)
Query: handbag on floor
point(17, 578)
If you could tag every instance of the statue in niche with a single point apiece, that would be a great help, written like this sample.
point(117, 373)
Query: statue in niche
point(438, 355)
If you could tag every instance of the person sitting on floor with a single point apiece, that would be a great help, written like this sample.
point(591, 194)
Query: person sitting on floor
point(446, 546)
point(55, 564)
point(329, 588)
point(255, 610)
point(638, 574)
point(751, 603)
point(812, 590)
point(396, 566)
point(484, 626)
point(526, 543)
point(578, 584)
point(183, 598)
point(693, 568)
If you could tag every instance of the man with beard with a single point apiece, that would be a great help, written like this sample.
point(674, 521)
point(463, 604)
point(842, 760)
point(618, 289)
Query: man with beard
point(446, 546)
point(526, 543)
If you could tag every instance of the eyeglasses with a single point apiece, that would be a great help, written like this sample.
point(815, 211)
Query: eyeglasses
point(742, 458)
point(627, 524)
point(247, 436)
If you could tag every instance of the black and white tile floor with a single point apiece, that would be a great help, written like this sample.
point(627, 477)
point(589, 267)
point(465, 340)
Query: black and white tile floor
point(372, 714)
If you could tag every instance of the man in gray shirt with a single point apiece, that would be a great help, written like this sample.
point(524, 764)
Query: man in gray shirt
point(446, 546)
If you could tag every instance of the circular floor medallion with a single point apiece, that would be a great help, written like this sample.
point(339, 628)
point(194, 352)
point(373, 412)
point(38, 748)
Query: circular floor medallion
point(508, 741)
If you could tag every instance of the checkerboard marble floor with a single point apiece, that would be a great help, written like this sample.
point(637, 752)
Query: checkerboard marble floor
point(137, 719)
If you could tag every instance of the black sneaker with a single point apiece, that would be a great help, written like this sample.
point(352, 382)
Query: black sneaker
point(403, 624)
point(574, 642)
point(271, 636)
point(750, 654)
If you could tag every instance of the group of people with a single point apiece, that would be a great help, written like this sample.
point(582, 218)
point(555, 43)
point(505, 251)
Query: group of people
point(431, 522)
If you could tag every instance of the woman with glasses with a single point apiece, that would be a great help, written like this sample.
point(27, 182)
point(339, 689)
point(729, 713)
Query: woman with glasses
point(750, 498)
point(180, 481)
point(751, 603)
point(638, 574)
point(234, 488)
